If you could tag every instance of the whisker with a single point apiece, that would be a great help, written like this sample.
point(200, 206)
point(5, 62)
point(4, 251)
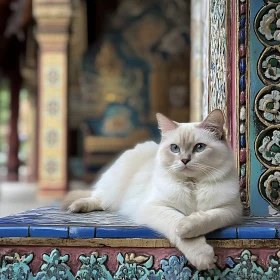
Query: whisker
point(215, 170)
point(207, 170)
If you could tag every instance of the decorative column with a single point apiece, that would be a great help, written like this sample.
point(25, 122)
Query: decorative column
point(258, 104)
point(13, 160)
point(218, 55)
point(196, 79)
point(53, 19)
point(263, 108)
point(241, 96)
point(227, 78)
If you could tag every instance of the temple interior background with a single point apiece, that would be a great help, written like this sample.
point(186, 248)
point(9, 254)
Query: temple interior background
point(81, 81)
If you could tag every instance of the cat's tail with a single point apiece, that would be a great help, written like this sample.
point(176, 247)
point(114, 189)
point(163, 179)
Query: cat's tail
point(73, 196)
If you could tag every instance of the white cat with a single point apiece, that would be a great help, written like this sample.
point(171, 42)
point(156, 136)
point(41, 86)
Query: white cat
point(183, 188)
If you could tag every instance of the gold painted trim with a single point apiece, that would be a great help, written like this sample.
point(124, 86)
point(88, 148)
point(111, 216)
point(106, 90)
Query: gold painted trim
point(134, 243)
point(248, 104)
point(246, 243)
point(228, 65)
point(87, 242)
point(209, 57)
point(237, 87)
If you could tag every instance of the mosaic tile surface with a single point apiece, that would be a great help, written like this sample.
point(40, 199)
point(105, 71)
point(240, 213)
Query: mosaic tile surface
point(54, 216)
point(52, 222)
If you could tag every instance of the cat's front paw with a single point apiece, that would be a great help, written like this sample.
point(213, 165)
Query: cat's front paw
point(79, 206)
point(204, 258)
point(191, 226)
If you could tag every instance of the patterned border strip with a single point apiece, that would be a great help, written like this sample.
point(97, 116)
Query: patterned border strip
point(56, 264)
point(140, 243)
point(242, 98)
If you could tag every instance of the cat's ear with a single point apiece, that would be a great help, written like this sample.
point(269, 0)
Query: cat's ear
point(165, 124)
point(214, 122)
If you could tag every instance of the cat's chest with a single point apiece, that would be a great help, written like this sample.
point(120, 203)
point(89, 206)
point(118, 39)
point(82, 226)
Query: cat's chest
point(185, 198)
point(194, 197)
point(206, 196)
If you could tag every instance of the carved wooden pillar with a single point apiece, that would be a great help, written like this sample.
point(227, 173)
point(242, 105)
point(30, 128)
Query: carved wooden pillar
point(53, 19)
point(199, 59)
point(244, 81)
point(258, 105)
point(196, 62)
point(13, 160)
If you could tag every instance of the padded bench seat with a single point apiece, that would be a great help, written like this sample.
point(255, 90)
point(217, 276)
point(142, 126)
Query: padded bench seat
point(46, 242)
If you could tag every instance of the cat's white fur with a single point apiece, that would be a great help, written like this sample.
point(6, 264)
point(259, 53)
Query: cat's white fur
point(151, 185)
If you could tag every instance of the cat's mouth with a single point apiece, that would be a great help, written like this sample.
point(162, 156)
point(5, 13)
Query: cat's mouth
point(187, 168)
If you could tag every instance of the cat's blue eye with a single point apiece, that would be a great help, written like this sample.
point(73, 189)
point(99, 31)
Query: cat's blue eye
point(174, 148)
point(198, 148)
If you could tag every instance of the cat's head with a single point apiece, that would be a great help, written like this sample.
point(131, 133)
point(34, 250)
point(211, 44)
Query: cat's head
point(196, 150)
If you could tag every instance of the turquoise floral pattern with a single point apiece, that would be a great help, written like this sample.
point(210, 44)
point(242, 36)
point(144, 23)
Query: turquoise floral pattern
point(132, 267)
point(272, 187)
point(273, 271)
point(16, 267)
point(269, 23)
point(175, 267)
point(55, 267)
point(269, 105)
point(268, 143)
point(247, 268)
point(271, 67)
point(140, 267)
point(269, 187)
point(93, 268)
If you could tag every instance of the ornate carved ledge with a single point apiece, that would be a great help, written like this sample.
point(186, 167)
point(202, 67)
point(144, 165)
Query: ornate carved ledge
point(45, 242)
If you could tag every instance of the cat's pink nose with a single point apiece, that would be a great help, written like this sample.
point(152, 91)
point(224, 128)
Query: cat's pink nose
point(185, 160)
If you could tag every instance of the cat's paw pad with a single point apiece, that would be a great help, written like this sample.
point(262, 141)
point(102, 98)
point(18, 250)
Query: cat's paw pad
point(205, 258)
point(190, 226)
